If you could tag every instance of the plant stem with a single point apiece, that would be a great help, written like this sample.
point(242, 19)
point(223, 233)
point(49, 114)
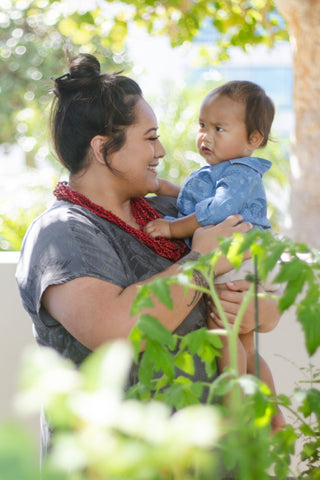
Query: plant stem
point(232, 331)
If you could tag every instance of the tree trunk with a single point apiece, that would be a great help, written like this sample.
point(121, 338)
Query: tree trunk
point(303, 22)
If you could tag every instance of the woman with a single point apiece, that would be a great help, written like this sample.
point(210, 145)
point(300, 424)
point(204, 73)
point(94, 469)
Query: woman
point(83, 259)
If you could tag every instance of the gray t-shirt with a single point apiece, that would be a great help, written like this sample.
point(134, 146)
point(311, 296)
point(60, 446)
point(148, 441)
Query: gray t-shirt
point(68, 241)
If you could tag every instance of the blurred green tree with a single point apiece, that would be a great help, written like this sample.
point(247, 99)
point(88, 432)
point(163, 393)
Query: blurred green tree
point(34, 37)
point(34, 34)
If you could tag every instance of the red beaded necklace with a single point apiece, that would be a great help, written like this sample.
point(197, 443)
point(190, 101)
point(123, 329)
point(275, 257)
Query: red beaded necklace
point(142, 212)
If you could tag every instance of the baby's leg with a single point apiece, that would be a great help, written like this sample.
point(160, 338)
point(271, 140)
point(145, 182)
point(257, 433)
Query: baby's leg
point(265, 375)
point(247, 342)
point(224, 361)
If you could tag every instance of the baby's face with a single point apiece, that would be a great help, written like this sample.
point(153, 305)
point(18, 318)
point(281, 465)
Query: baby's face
point(222, 133)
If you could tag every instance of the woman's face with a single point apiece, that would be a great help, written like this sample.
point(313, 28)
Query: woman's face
point(136, 162)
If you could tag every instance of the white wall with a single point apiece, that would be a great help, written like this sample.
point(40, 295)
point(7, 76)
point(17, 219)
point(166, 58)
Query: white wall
point(16, 334)
point(285, 351)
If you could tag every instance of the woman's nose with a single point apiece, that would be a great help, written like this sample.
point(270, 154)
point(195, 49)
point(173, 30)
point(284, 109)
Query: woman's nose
point(160, 150)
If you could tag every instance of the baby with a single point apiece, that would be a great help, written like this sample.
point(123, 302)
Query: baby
point(234, 120)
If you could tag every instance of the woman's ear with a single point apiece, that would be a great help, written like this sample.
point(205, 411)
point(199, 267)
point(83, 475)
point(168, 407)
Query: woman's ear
point(255, 139)
point(97, 144)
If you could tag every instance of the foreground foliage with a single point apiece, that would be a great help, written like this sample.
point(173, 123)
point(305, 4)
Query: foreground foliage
point(102, 432)
point(246, 436)
point(35, 34)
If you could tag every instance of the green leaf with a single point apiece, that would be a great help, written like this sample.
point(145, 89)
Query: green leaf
point(161, 383)
point(234, 255)
point(160, 359)
point(208, 356)
point(290, 270)
point(282, 448)
point(194, 340)
point(154, 330)
point(161, 289)
point(184, 392)
point(313, 396)
point(307, 430)
point(206, 345)
point(224, 245)
point(142, 300)
point(214, 339)
point(293, 288)
point(146, 371)
point(309, 449)
point(184, 361)
point(273, 256)
point(308, 313)
point(310, 402)
point(135, 338)
point(245, 241)
point(223, 384)
point(139, 391)
point(283, 400)
point(269, 258)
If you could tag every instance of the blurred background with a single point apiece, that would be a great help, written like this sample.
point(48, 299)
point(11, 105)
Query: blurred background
point(36, 38)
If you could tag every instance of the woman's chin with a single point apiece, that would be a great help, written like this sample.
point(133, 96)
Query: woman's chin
point(154, 188)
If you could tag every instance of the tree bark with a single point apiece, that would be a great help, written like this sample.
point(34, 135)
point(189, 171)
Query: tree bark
point(303, 23)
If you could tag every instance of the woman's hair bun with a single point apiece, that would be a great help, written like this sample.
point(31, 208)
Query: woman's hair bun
point(84, 73)
point(84, 66)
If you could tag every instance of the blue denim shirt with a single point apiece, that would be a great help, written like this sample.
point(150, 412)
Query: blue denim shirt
point(216, 191)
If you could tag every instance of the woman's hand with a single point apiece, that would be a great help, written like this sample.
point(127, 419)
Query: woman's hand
point(205, 239)
point(231, 296)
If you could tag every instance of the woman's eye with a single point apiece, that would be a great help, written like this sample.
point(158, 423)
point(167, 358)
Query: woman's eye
point(153, 139)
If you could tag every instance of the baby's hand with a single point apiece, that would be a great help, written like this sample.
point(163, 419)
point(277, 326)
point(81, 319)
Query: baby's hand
point(158, 228)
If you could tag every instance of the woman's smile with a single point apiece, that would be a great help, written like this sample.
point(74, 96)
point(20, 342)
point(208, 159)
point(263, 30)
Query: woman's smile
point(152, 168)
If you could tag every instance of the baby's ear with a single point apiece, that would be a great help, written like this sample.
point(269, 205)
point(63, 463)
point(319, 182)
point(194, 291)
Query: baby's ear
point(255, 140)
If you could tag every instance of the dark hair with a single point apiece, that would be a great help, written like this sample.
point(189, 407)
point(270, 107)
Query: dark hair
point(87, 104)
point(259, 108)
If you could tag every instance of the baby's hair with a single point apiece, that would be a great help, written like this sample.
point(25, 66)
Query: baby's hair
point(259, 108)
point(87, 104)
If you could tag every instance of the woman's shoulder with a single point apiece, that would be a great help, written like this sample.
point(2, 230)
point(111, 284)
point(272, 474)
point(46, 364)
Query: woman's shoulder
point(59, 220)
point(59, 234)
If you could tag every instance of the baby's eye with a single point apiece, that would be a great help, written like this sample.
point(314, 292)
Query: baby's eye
point(201, 125)
point(219, 129)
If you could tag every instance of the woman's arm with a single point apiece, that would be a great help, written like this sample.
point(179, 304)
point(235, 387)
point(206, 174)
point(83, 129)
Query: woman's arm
point(167, 188)
point(231, 296)
point(95, 311)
